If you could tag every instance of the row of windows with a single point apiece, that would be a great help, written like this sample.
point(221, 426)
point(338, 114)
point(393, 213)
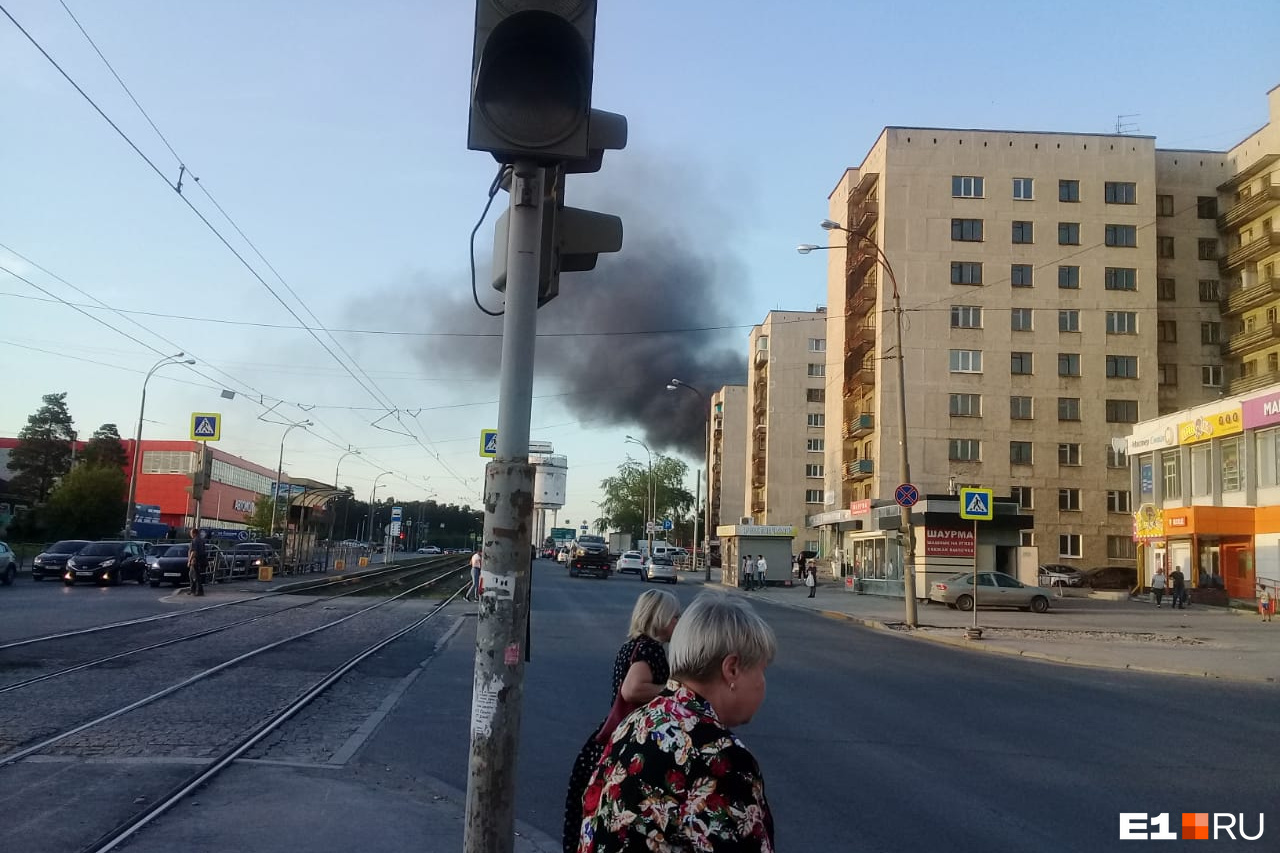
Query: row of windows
point(1210, 290)
point(1121, 236)
point(1023, 275)
point(1021, 319)
point(1206, 248)
point(1206, 206)
point(1227, 473)
point(240, 478)
point(1069, 453)
point(168, 461)
point(1118, 500)
point(1022, 363)
point(1210, 374)
point(1022, 408)
point(1118, 547)
point(1167, 332)
point(1113, 192)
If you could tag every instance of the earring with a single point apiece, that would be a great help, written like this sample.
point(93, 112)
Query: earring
point(733, 685)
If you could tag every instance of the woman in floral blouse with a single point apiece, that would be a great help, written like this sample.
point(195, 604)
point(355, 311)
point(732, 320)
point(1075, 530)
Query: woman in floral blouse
point(675, 777)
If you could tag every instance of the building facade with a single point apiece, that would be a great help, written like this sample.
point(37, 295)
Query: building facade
point(786, 418)
point(728, 449)
point(164, 480)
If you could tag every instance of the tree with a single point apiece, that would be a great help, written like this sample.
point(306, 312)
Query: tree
point(105, 449)
point(43, 452)
point(88, 503)
point(260, 519)
point(626, 493)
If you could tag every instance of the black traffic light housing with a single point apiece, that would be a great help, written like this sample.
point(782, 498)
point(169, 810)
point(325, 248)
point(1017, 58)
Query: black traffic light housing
point(201, 479)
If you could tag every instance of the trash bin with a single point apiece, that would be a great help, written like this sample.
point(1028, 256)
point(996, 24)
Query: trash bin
point(339, 565)
point(265, 573)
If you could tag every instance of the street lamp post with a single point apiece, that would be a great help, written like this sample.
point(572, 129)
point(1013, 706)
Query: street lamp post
point(372, 495)
point(131, 508)
point(275, 504)
point(333, 516)
point(904, 463)
point(652, 509)
point(706, 464)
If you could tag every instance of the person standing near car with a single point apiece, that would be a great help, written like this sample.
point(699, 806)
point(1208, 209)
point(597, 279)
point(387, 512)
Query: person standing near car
point(197, 561)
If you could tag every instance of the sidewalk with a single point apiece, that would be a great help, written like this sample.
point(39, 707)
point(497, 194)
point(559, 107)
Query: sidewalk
point(1199, 641)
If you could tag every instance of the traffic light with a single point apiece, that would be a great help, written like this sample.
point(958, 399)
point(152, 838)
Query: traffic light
point(201, 479)
point(531, 72)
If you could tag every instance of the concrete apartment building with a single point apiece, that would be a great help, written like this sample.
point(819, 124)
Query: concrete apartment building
point(728, 479)
point(786, 417)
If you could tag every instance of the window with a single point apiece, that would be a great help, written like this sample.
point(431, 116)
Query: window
point(1273, 362)
point(1020, 408)
point(1167, 373)
point(1068, 233)
point(1122, 411)
point(966, 406)
point(1164, 247)
point(815, 395)
point(1068, 408)
point(817, 369)
point(1023, 188)
point(813, 496)
point(168, 462)
point(1122, 367)
point(1210, 333)
point(1249, 369)
point(1123, 236)
point(1069, 500)
point(762, 343)
point(1119, 192)
point(1210, 291)
point(1069, 545)
point(1164, 205)
point(1166, 289)
point(1020, 319)
point(816, 419)
point(1020, 363)
point(1023, 232)
point(1120, 278)
point(966, 361)
point(1068, 364)
point(1211, 375)
point(966, 272)
point(1171, 470)
point(813, 471)
point(1167, 331)
point(232, 475)
point(1068, 191)
point(1020, 275)
point(1206, 207)
point(1068, 320)
point(817, 344)
point(1118, 501)
point(1117, 458)
point(1121, 548)
point(965, 450)
point(966, 317)
point(966, 230)
point(815, 445)
point(1232, 479)
point(1268, 444)
point(1122, 322)
point(1207, 249)
point(966, 186)
point(1022, 494)
point(1069, 455)
point(1069, 278)
point(1019, 453)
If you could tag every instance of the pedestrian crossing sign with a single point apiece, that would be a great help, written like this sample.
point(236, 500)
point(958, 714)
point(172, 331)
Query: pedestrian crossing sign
point(206, 426)
point(489, 442)
point(975, 504)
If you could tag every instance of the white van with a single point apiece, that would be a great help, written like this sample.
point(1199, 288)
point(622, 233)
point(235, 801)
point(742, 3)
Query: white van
point(660, 549)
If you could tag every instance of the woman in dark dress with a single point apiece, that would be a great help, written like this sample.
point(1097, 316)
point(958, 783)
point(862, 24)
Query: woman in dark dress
point(640, 673)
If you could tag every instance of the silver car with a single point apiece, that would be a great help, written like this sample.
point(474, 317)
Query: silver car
point(995, 589)
point(659, 568)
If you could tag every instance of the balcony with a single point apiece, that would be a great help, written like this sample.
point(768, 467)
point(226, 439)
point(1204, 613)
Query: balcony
point(865, 216)
point(862, 337)
point(1243, 298)
point(863, 374)
point(1250, 252)
point(1243, 343)
point(1261, 379)
point(859, 425)
point(859, 469)
point(761, 357)
point(866, 185)
point(1249, 208)
point(862, 297)
point(858, 261)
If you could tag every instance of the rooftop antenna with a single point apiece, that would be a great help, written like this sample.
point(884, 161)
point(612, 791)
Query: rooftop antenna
point(1123, 127)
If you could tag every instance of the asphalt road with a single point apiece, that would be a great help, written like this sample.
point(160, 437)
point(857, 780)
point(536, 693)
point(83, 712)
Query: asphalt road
point(871, 741)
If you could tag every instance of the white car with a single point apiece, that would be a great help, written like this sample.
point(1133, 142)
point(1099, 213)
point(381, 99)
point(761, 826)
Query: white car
point(562, 556)
point(429, 549)
point(630, 561)
point(659, 569)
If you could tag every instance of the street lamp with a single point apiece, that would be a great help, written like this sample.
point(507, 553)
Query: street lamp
point(334, 515)
point(706, 464)
point(280, 473)
point(372, 495)
point(904, 464)
point(130, 508)
point(652, 509)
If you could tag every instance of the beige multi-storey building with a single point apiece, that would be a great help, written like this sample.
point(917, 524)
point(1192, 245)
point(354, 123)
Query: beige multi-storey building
point(728, 448)
point(786, 417)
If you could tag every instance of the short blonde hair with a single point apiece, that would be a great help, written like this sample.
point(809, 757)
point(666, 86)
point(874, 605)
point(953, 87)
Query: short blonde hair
point(654, 609)
point(714, 627)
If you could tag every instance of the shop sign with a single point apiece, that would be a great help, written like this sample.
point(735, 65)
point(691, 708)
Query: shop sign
point(1148, 523)
point(1177, 521)
point(861, 507)
point(244, 506)
point(948, 542)
point(1262, 411)
point(1218, 425)
point(764, 530)
point(1166, 437)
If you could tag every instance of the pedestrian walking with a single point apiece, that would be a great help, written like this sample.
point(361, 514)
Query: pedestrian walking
point(640, 672)
point(762, 567)
point(1157, 586)
point(1178, 588)
point(811, 578)
point(745, 575)
point(1264, 602)
point(473, 593)
point(197, 561)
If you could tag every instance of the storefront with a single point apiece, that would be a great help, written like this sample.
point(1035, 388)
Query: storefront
point(773, 542)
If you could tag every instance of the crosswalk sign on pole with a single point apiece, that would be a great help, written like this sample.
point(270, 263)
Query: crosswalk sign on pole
point(489, 442)
point(206, 426)
point(976, 505)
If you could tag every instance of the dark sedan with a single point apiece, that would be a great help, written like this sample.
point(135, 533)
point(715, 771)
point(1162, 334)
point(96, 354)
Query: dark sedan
point(247, 557)
point(170, 566)
point(107, 562)
point(52, 561)
point(1111, 577)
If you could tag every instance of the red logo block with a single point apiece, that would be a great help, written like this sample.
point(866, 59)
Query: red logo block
point(1195, 826)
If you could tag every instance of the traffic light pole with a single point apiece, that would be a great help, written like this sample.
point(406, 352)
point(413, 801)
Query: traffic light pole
point(498, 688)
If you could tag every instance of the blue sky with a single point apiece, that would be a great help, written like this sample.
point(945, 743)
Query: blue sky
point(335, 135)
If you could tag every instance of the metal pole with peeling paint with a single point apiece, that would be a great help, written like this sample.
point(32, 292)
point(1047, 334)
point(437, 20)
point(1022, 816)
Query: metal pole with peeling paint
point(498, 689)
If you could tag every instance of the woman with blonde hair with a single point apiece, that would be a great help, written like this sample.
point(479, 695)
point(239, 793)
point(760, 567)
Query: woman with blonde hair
point(640, 671)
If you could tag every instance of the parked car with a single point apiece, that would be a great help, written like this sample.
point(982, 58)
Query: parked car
point(247, 557)
point(562, 556)
point(107, 562)
point(170, 566)
point(52, 561)
point(995, 589)
point(1111, 577)
point(429, 549)
point(8, 565)
point(1057, 574)
point(660, 568)
point(631, 561)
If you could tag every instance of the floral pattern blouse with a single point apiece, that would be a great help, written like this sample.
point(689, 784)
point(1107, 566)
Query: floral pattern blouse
point(673, 778)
